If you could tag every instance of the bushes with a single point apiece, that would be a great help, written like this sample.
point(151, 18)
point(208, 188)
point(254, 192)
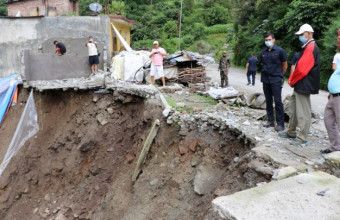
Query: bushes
point(219, 28)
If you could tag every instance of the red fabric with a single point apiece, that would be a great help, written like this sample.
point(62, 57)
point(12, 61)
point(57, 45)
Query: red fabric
point(304, 65)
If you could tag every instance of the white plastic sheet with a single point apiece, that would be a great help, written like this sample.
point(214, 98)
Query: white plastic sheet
point(26, 128)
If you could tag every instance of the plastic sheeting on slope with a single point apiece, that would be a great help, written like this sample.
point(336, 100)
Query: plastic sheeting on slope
point(8, 91)
point(26, 128)
point(128, 66)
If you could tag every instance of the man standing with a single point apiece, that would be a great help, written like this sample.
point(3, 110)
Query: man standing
point(60, 48)
point(332, 110)
point(93, 54)
point(305, 80)
point(274, 60)
point(251, 68)
point(157, 54)
point(223, 67)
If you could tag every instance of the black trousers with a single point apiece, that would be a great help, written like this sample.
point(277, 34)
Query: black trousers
point(273, 90)
point(252, 74)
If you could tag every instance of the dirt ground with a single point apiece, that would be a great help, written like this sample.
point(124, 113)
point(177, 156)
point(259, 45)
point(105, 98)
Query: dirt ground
point(77, 168)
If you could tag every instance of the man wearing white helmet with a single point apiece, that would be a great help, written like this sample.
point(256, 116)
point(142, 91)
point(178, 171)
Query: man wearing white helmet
point(157, 55)
point(305, 80)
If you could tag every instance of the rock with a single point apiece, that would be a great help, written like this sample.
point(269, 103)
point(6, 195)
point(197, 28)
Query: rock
point(183, 131)
point(310, 163)
point(284, 199)
point(183, 149)
point(334, 157)
point(95, 99)
point(130, 157)
point(96, 187)
point(154, 182)
point(47, 197)
point(257, 139)
point(61, 217)
point(110, 110)
point(110, 149)
point(247, 123)
point(204, 127)
point(102, 119)
point(84, 147)
point(236, 159)
point(166, 112)
point(284, 173)
point(195, 162)
point(205, 178)
point(35, 211)
point(193, 145)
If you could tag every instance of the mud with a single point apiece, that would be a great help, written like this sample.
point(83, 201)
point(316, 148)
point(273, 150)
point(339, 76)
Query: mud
point(80, 168)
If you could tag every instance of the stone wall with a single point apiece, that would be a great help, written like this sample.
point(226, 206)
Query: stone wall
point(39, 7)
point(38, 33)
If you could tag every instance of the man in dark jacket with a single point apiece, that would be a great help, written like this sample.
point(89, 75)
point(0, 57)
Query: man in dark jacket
point(305, 80)
point(274, 65)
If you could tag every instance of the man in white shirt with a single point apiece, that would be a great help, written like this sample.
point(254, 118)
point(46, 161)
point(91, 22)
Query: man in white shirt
point(93, 54)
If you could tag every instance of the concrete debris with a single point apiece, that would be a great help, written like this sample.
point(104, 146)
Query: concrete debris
point(170, 89)
point(284, 173)
point(333, 157)
point(222, 93)
point(280, 199)
point(92, 82)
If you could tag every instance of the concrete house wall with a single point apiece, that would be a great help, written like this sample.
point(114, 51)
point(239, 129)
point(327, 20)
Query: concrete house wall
point(38, 33)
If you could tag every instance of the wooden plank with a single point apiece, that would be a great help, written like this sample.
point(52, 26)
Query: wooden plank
point(145, 150)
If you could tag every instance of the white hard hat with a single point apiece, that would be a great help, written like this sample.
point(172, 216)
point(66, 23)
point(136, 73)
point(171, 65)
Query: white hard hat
point(305, 28)
point(155, 42)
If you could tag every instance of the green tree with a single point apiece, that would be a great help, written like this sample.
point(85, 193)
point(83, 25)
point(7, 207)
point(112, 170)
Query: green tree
point(3, 8)
point(117, 7)
point(216, 15)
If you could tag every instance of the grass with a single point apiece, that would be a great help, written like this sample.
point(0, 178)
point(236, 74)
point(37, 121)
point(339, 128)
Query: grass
point(195, 103)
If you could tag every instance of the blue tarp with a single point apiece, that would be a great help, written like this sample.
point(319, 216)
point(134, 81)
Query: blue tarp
point(8, 86)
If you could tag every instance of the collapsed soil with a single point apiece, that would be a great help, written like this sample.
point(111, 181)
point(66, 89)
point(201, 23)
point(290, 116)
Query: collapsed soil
point(80, 169)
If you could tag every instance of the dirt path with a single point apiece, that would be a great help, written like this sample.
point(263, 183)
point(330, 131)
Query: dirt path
point(238, 80)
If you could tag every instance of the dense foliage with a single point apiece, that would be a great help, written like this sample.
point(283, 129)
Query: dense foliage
point(3, 8)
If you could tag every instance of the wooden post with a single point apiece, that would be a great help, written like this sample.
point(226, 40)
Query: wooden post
point(145, 149)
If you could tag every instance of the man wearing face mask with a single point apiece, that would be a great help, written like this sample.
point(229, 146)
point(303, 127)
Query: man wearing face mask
point(274, 61)
point(305, 80)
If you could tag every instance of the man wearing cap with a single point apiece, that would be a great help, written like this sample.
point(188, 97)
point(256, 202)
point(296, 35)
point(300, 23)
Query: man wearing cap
point(332, 110)
point(274, 60)
point(305, 80)
point(157, 55)
point(223, 67)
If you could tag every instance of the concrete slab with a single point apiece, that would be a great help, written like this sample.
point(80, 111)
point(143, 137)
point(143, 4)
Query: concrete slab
point(291, 198)
point(279, 156)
